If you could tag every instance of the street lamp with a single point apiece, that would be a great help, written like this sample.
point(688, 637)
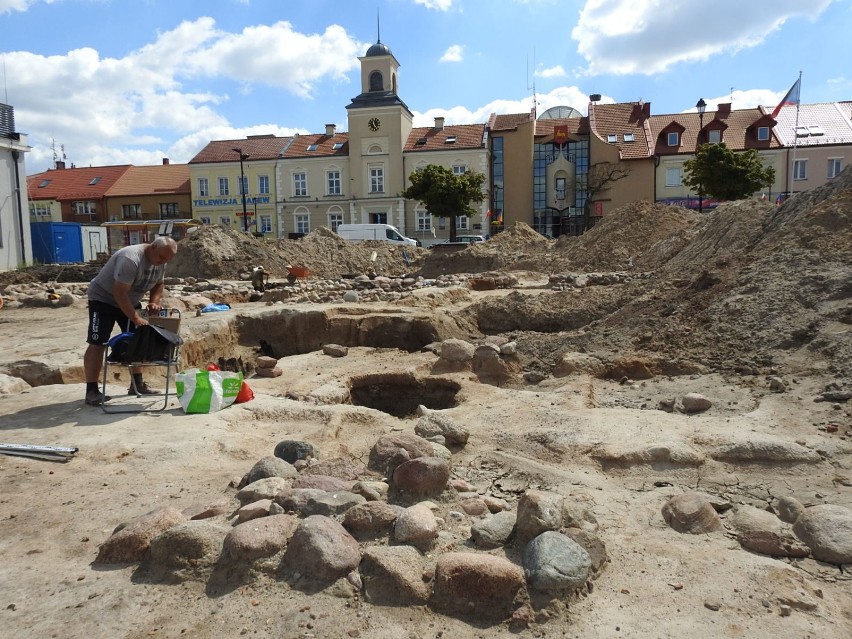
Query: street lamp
point(701, 105)
point(243, 156)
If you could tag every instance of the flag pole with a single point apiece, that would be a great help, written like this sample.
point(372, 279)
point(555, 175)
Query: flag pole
point(795, 139)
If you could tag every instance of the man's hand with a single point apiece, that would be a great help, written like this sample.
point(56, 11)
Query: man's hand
point(154, 307)
point(138, 320)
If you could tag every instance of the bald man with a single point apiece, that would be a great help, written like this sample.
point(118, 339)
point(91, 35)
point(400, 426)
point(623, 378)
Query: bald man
point(115, 297)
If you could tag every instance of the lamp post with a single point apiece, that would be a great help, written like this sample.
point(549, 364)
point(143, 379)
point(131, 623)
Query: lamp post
point(243, 156)
point(701, 105)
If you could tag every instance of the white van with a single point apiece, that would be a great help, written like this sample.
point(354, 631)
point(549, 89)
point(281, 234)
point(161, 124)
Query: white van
point(380, 232)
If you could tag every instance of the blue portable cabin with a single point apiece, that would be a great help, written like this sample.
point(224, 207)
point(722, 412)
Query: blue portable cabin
point(57, 242)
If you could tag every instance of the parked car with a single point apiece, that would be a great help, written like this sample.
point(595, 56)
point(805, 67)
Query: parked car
point(463, 239)
point(381, 232)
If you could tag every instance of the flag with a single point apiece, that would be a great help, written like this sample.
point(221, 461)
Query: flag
point(792, 97)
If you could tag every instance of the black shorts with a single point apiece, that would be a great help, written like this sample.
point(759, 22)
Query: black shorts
point(102, 318)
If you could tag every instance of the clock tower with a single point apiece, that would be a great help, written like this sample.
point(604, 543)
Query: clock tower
point(379, 126)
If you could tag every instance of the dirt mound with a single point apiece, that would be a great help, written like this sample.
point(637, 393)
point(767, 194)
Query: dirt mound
point(219, 253)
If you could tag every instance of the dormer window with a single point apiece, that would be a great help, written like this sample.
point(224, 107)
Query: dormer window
point(673, 138)
point(629, 137)
point(612, 138)
point(714, 136)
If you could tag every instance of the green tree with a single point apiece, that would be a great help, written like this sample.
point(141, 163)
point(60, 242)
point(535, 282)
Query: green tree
point(717, 171)
point(444, 193)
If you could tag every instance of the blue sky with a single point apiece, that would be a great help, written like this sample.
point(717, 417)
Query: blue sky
point(134, 81)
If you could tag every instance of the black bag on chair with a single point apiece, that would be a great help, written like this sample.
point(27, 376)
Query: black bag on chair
point(152, 344)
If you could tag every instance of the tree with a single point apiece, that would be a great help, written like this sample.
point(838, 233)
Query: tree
point(444, 193)
point(600, 176)
point(717, 171)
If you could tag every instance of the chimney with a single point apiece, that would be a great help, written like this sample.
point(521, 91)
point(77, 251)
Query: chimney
point(439, 123)
point(165, 161)
point(60, 164)
point(723, 110)
point(330, 129)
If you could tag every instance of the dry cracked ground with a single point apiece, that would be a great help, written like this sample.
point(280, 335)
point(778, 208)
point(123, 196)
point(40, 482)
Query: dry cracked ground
point(677, 385)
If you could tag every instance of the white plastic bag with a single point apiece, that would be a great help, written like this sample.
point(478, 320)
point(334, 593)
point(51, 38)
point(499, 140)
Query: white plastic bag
point(202, 391)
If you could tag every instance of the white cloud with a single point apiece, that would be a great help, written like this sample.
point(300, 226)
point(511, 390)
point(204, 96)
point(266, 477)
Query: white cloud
point(439, 5)
point(647, 36)
point(552, 72)
point(561, 96)
point(79, 97)
point(453, 53)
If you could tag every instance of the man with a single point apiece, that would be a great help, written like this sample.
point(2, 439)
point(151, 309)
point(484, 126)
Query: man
point(115, 296)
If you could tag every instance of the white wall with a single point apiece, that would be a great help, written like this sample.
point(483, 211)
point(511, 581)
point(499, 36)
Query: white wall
point(14, 206)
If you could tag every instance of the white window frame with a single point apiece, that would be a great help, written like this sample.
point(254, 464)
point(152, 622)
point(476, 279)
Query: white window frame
point(83, 208)
point(300, 184)
point(673, 138)
point(333, 182)
point(714, 136)
point(204, 219)
point(800, 169)
point(462, 222)
point(424, 220)
point(203, 187)
point(263, 184)
point(763, 133)
point(225, 220)
point(377, 178)
point(335, 220)
point(674, 176)
point(169, 210)
point(629, 137)
point(459, 169)
point(612, 138)
point(264, 224)
point(39, 209)
point(302, 223)
point(835, 166)
point(224, 185)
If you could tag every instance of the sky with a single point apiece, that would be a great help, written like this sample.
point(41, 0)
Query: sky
point(106, 82)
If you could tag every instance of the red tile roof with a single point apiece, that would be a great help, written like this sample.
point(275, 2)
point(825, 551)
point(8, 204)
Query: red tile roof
point(629, 118)
point(152, 180)
point(256, 147)
point(737, 126)
point(576, 126)
point(467, 136)
point(324, 145)
point(90, 183)
point(508, 121)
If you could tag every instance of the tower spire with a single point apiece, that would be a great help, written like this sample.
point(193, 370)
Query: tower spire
point(378, 27)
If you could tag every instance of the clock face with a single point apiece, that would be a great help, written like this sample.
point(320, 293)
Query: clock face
point(374, 124)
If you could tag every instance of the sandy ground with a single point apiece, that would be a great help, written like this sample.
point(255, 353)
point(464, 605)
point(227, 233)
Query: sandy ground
point(658, 583)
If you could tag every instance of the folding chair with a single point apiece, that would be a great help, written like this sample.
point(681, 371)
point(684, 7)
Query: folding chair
point(168, 319)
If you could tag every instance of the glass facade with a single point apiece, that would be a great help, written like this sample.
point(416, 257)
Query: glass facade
point(548, 220)
point(497, 193)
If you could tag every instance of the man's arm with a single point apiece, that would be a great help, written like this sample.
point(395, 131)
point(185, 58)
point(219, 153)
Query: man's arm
point(121, 293)
point(155, 296)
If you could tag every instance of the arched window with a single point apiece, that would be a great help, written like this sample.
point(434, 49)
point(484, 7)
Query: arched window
point(376, 81)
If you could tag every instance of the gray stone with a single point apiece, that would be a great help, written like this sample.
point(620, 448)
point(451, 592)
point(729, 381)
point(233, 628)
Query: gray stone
point(538, 511)
point(456, 350)
point(416, 525)
point(254, 510)
point(335, 350)
point(433, 424)
point(762, 532)
point(494, 531)
point(827, 530)
point(556, 563)
point(788, 508)
point(765, 449)
point(184, 550)
point(290, 450)
point(393, 575)
point(130, 543)
point(258, 538)
point(266, 488)
point(370, 520)
point(692, 514)
point(322, 482)
point(321, 550)
point(695, 403)
point(385, 454)
point(331, 504)
point(270, 467)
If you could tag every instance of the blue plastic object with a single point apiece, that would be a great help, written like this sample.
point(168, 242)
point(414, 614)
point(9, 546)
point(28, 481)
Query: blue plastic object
point(212, 308)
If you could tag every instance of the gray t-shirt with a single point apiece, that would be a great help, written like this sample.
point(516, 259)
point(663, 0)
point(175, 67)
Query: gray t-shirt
point(127, 265)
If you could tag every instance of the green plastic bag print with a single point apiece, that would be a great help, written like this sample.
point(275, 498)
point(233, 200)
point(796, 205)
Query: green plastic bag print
point(201, 391)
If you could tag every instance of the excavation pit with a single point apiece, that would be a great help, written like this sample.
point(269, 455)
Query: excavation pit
point(400, 394)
